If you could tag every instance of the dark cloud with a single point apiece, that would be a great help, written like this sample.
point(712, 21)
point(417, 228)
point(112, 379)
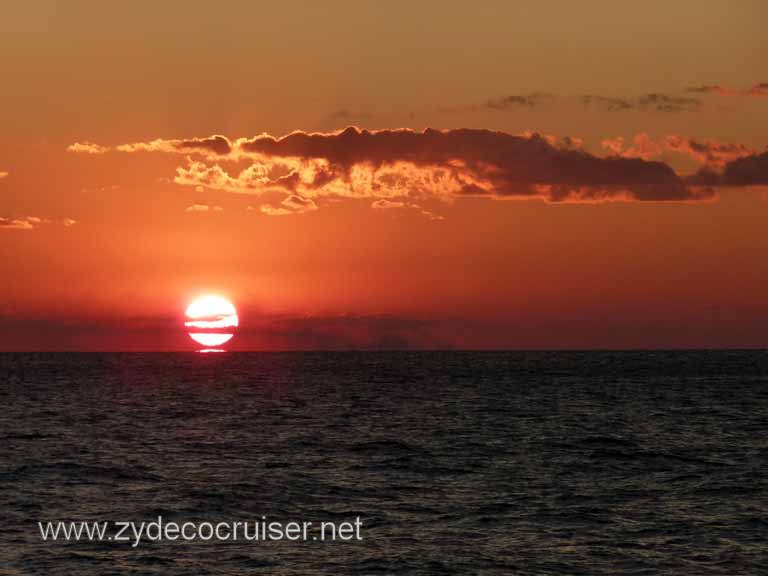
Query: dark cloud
point(708, 89)
point(667, 103)
point(347, 332)
point(56, 332)
point(517, 101)
point(216, 144)
point(480, 162)
point(652, 102)
point(347, 115)
point(749, 170)
point(258, 331)
point(409, 166)
point(607, 103)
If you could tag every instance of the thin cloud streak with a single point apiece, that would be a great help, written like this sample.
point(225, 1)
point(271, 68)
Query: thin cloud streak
point(215, 145)
point(203, 208)
point(652, 102)
point(759, 90)
point(30, 222)
point(511, 101)
point(23, 223)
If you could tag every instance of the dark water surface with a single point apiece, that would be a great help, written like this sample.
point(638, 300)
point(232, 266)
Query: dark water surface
point(457, 463)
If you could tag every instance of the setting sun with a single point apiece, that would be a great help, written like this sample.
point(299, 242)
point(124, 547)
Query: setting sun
point(211, 320)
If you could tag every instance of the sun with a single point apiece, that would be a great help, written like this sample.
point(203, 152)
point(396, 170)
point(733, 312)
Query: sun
point(211, 320)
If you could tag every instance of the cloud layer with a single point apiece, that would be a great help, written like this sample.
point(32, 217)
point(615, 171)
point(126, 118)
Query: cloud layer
point(406, 164)
point(404, 168)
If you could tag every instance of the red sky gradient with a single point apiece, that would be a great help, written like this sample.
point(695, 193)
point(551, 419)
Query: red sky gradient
point(365, 175)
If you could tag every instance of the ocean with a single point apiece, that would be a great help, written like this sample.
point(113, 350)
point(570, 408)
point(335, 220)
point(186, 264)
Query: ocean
point(452, 462)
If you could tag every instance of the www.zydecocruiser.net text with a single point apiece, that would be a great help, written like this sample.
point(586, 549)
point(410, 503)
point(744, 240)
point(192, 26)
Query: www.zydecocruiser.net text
point(161, 530)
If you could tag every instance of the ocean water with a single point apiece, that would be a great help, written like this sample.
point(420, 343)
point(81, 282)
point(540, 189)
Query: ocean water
point(455, 463)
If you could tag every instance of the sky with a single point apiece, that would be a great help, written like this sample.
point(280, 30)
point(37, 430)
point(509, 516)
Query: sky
point(385, 175)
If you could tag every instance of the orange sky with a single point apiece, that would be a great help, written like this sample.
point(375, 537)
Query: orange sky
point(595, 175)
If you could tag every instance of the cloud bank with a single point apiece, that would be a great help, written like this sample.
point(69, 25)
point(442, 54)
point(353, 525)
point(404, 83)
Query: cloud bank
point(404, 168)
point(406, 164)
